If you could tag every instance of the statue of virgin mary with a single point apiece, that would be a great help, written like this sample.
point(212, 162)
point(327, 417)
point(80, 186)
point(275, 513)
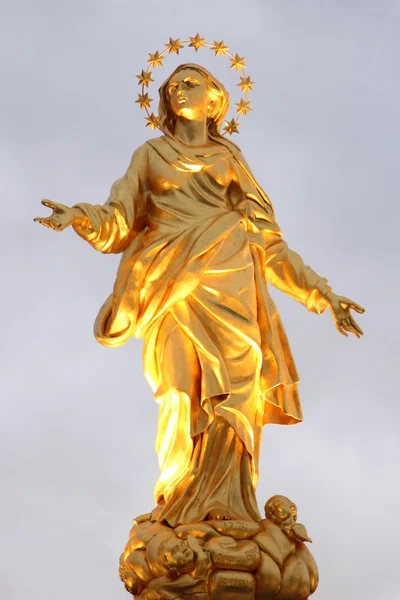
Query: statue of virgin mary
point(199, 247)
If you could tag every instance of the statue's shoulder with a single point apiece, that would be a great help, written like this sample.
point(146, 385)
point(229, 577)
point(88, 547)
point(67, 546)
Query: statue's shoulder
point(157, 143)
point(139, 158)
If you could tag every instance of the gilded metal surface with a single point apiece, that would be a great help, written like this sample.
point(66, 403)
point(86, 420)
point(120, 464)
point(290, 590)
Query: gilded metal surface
point(171, 563)
point(196, 42)
point(227, 553)
point(200, 245)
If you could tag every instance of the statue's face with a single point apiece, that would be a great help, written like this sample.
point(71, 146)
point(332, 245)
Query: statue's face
point(189, 95)
point(283, 512)
point(179, 557)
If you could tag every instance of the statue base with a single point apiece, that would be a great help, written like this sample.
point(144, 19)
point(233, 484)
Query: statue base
point(221, 559)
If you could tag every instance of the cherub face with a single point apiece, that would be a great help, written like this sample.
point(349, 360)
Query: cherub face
point(178, 555)
point(281, 510)
point(189, 95)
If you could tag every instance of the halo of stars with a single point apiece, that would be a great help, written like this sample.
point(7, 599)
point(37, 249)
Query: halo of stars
point(196, 42)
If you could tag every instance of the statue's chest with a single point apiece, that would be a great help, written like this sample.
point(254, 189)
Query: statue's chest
point(191, 174)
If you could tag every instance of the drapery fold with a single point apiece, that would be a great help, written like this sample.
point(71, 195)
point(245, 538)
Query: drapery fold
point(200, 244)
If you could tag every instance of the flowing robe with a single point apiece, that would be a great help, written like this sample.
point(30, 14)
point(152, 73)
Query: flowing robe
point(200, 244)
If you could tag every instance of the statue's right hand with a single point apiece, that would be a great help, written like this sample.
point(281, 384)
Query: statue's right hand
point(61, 217)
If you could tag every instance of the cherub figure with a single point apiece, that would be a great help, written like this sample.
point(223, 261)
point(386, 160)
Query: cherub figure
point(186, 566)
point(183, 556)
point(288, 569)
point(283, 512)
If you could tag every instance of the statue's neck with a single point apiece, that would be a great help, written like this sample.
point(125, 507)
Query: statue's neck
point(192, 133)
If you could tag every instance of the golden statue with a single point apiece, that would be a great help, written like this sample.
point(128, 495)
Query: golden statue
point(200, 245)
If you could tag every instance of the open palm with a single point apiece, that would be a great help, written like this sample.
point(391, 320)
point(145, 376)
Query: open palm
point(61, 217)
point(340, 307)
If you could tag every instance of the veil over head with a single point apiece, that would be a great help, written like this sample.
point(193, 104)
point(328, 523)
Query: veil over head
point(217, 91)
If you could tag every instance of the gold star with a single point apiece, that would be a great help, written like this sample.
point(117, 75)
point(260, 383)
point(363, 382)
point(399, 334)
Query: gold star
point(155, 60)
point(238, 62)
point(243, 107)
point(246, 84)
point(152, 121)
point(144, 78)
point(144, 100)
point(231, 127)
point(197, 42)
point(219, 48)
point(174, 45)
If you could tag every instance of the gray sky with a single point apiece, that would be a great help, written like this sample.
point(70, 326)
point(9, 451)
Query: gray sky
point(78, 420)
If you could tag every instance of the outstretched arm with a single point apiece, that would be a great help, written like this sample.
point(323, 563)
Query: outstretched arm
point(286, 270)
point(109, 227)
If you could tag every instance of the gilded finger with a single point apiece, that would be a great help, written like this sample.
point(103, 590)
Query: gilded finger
point(356, 326)
point(350, 328)
point(357, 307)
point(341, 330)
point(43, 221)
point(354, 332)
point(49, 204)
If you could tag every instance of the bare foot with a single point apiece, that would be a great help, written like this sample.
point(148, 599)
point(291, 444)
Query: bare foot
point(155, 513)
point(141, 519)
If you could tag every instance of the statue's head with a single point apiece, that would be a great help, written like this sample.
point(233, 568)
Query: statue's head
point(281, 510)
point(176, 555)
point(193, 93)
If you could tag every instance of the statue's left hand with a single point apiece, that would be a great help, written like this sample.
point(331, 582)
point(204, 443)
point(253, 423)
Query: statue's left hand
point(340, 308)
